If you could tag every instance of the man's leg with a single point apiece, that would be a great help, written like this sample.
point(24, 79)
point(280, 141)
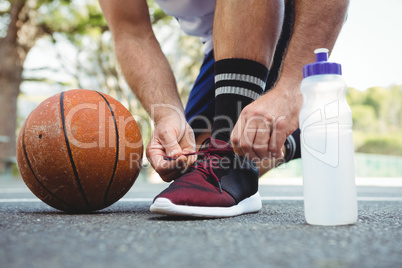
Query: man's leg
point(245, 37)
point(201, 108)
point(291, 148)
point(245, 30)
point(219, 183)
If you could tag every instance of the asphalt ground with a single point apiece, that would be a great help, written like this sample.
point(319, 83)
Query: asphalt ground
point(126, 234)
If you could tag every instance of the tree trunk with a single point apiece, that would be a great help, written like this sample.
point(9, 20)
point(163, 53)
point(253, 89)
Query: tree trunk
point(8, 110)
point(12, 57)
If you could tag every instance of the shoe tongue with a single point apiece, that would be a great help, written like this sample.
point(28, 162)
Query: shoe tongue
point(220, 144)
point(211, 143)
point(219, 152)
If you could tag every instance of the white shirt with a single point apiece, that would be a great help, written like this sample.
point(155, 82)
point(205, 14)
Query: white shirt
point(195, 17)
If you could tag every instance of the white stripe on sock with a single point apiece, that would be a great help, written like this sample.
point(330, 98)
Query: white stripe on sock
point(240, 77)
point(238, 91)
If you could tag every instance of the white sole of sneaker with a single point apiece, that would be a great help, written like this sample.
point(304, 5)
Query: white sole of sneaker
point(165, 206)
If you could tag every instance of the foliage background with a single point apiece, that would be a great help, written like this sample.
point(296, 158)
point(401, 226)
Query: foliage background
point(50, 46)
point(377, 119)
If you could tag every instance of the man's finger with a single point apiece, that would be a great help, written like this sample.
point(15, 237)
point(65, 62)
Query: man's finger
point(156, 155)
point(248, 137)
point(261, 142)
point(275, 143)
point(169, 142)
point(236, 136)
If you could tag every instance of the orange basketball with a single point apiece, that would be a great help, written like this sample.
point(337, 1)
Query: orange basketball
point(79, 151)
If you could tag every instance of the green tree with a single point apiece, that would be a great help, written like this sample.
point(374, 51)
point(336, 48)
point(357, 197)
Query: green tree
point(377, 118)
point(354, 96)
point(364, 118)
point(374, 97)
point(18, 33)
point(22, 23)
point(94, 66)
point(393, 109)
point(82, 25)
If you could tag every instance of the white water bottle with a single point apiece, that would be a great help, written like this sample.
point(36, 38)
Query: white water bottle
point(327, 145)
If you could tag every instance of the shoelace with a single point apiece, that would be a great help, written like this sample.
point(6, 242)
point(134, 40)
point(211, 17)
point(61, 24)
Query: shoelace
point(207, 151)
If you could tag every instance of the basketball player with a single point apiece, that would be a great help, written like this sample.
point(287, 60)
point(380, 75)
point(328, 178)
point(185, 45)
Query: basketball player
point(244, 105)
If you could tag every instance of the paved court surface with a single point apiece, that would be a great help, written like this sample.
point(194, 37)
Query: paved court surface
point(127, 235)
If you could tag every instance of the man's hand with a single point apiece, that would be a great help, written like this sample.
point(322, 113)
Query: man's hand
point(149, 75)
point(172, 137)
point(263, 125)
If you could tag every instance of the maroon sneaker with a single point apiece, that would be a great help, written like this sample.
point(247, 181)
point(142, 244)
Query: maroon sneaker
point(218, 184)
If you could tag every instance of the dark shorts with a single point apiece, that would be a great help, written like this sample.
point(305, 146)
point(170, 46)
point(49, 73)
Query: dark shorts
point(200, 108)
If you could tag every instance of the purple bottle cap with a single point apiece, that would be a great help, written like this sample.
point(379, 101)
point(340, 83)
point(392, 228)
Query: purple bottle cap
point(321, 66)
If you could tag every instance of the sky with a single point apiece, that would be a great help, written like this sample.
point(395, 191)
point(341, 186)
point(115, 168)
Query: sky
point(369, 46)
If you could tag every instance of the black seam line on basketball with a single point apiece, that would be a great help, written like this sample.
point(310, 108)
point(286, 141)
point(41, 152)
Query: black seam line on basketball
point(132, 181)
point(70, 155)
point(117, 147)
point(130, 184)
point(33, 173)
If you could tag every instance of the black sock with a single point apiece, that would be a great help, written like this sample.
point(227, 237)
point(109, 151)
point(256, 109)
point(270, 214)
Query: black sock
point(238, 82)
point(292, 145)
